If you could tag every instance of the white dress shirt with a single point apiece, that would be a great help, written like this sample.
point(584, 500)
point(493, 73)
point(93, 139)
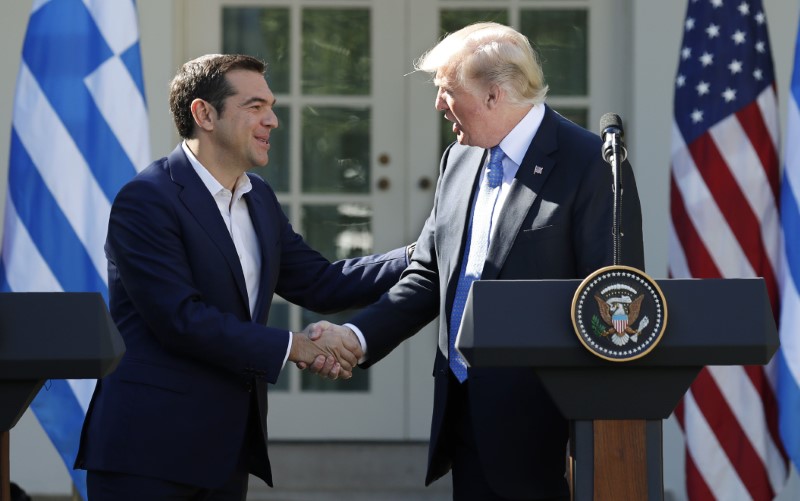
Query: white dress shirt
point(233, 209)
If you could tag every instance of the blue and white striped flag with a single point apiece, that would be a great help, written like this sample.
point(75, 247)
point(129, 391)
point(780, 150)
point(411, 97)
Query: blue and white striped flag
point(788, 359)
point(79, 132)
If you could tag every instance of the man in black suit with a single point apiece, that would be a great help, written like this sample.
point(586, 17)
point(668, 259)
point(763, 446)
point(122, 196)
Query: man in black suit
point(523, 194)
point(196, 248)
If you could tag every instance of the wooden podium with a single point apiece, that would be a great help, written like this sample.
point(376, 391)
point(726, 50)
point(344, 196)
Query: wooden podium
point(49, 335)
point(615, 408)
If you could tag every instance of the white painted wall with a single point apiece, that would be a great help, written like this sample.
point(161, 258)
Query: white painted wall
point(656, 33)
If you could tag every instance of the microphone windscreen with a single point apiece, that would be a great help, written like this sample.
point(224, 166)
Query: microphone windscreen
point(610, 120)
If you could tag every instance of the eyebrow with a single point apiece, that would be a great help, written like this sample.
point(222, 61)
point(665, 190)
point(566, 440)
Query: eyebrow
point(259, 100)
point(443, 83)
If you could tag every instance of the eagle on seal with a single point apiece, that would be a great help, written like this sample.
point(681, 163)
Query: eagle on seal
point(620, 312)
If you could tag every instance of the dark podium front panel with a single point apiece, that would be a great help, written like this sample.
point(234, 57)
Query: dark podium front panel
point(527, 323)
point(51, 335)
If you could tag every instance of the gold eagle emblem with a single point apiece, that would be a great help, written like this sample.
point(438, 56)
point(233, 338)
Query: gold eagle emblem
point(619, 313)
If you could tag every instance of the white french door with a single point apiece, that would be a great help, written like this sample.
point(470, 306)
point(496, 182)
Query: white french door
point(355, 158)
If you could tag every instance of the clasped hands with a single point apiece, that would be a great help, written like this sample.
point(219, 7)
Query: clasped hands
point(326, 349)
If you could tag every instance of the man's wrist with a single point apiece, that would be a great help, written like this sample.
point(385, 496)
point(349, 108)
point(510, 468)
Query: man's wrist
point(361, 340)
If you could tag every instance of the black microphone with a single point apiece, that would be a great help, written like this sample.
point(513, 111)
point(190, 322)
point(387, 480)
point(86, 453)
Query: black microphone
point(612, 133)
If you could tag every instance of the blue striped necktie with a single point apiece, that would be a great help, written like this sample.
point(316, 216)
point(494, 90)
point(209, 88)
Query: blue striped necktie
point(478, 235)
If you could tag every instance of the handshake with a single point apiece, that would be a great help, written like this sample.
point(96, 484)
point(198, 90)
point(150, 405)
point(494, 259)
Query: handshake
point(326, 349)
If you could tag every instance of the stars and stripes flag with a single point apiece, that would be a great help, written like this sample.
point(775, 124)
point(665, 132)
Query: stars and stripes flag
point(79, 131)
point(724, 196)
point(787, 360)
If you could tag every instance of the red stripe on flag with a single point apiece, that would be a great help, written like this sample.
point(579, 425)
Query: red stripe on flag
point(752, 122)
point(698, 259)
point(695, 485)
point(731, 437)
point(734, 206)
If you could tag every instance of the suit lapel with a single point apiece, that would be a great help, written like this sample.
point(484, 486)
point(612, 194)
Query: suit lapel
point(455, 208)
point(531, 176)
point(199, 202)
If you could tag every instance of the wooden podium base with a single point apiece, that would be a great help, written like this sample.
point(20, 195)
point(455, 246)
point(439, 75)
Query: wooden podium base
point(616, 459)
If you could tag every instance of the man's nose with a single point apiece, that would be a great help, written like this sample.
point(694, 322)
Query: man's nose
point(271, 120)
point(439, 103)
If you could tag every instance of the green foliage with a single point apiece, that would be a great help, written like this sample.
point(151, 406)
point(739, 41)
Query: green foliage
point(597, 326)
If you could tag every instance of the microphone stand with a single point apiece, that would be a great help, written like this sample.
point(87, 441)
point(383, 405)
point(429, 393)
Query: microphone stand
point(616, 155)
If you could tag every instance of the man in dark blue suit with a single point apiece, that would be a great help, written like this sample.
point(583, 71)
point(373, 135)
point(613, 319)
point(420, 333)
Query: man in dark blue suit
point(196, 249)
point(523, 194)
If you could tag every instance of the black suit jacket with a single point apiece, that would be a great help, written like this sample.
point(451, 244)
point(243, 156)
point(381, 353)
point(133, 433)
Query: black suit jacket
point(555, 224)
point(178, 405)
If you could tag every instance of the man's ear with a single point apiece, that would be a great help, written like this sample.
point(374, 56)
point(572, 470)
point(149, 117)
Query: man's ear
point(204, 114)
point(494, 95)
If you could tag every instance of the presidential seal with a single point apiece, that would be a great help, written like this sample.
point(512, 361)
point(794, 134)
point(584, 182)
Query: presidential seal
point(619, 313)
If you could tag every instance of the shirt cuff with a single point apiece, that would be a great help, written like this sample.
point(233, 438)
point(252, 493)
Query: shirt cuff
point(410, 252)
point(288, 349)
point(361, 340)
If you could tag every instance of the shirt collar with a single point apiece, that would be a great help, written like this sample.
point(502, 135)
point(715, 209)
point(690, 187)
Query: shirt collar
point(242, 186)
point(517, 142)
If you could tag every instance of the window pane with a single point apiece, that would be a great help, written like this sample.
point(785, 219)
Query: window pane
point(263, 33)
point(453, 20)
point(578, 115)
point(560, 37)
point(339, 231)
point(276, 172)
point(336, 51)
point(279, 318)
point(336, 149)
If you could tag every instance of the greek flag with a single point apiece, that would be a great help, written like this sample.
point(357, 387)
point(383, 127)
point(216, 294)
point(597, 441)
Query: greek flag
point(788, 358)
point(79, 131)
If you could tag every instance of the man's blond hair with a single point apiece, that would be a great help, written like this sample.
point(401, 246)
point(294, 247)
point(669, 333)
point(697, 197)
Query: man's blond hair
point(484, 54)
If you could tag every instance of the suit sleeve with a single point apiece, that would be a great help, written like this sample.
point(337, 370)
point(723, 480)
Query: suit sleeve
point(413, 302)
point(310, 280)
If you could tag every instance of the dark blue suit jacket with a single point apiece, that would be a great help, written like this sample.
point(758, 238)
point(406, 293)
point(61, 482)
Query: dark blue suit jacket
point(555, 224)
point(177, 406)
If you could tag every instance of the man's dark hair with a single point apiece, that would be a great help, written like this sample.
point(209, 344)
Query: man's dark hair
point(204, 78)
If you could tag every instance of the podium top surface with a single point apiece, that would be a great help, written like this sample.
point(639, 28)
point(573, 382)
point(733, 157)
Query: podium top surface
point(511, 323)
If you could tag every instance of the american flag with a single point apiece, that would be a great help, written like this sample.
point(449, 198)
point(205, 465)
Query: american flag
point(724, 192)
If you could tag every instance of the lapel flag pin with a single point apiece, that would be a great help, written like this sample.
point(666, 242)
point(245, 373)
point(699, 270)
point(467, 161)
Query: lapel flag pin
point(537, 170)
